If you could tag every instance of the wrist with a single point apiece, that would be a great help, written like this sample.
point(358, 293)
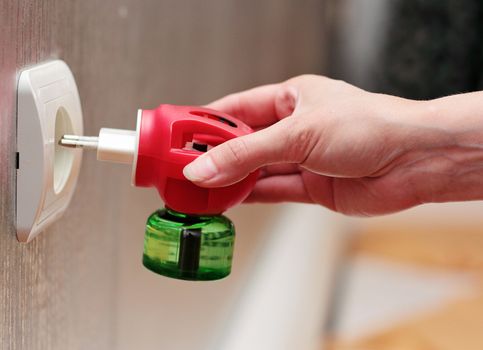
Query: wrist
point(448, 159)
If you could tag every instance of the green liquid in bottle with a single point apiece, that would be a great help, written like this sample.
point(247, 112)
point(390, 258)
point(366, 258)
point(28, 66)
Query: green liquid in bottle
point(197, 248)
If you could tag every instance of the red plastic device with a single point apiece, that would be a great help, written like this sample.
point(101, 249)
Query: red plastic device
point(164, 134)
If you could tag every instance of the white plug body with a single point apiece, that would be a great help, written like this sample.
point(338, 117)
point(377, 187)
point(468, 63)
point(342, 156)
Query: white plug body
point(120, 146)
point(116, 145)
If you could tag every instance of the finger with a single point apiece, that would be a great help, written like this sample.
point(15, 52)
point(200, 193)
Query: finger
point(279, 169)
point(260, 106)
point(283, 188)
point(235, 159)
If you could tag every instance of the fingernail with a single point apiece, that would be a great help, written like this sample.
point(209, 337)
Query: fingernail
point(200, 170)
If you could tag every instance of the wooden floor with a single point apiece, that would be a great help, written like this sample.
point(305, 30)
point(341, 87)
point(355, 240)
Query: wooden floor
point(456, 325)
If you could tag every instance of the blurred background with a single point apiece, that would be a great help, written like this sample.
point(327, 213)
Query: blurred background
point(303, 277)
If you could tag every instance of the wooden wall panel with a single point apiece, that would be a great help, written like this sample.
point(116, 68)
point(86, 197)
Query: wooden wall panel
point(62, 290)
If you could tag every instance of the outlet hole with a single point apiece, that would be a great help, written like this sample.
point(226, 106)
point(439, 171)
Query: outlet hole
point(63, 158)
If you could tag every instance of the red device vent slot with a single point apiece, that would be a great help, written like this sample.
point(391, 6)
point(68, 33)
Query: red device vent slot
point(214, 117)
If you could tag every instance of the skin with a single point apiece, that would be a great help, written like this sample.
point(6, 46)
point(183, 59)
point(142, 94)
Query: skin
point(327, 142)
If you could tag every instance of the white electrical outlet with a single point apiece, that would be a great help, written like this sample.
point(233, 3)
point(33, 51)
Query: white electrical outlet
point(48, 106)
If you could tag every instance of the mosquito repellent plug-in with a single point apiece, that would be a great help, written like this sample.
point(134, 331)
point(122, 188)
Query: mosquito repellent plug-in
point(189, 239)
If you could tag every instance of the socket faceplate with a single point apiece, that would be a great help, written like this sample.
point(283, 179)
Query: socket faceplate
point(48, 106)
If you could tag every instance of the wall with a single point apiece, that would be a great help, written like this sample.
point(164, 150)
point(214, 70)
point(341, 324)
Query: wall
point(357, 40)
point(74, 287)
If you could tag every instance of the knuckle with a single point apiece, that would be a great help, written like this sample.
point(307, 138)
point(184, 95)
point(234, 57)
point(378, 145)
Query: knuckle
point(311, 78)
point(235, 152)
point(285, 102)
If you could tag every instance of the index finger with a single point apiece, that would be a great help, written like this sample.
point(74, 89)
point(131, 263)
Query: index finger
point(260, 106)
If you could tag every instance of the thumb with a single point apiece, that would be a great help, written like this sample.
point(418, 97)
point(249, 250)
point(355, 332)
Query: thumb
point(235, 159)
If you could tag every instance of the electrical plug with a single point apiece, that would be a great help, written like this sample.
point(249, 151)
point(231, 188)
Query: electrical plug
point(166, 139)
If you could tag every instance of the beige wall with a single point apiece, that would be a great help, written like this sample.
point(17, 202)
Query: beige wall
point(75, 286)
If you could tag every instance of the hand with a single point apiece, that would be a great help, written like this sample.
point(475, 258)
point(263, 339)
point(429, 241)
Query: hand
point(327, 142)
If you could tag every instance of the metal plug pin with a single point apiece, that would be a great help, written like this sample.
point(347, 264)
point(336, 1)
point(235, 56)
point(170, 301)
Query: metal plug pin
point(74, 141)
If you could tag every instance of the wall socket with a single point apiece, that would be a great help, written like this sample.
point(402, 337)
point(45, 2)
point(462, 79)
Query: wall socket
point(48, 106)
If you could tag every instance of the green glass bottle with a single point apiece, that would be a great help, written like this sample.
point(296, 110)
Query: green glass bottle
point(197, 248)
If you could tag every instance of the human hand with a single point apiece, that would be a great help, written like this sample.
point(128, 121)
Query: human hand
point(325, 141)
